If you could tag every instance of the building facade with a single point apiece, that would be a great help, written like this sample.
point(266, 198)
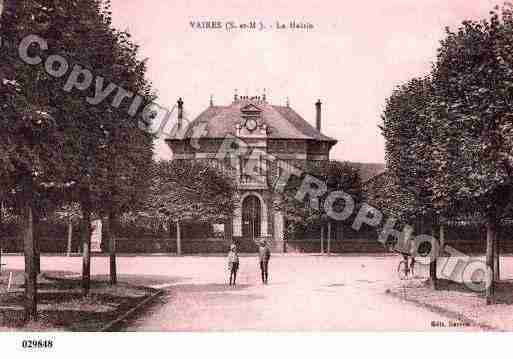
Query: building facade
point(258, 141)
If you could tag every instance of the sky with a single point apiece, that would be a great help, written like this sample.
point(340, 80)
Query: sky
point(351, 60)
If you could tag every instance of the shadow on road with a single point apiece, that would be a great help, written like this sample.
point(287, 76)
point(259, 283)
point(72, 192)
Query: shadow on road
point(503, 290)
point(209, 287)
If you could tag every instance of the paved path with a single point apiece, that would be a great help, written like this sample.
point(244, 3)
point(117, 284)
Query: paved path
point(304, 293)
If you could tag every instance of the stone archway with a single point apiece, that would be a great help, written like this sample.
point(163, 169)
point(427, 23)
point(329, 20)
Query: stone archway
point(251, 217)
point(238, 222)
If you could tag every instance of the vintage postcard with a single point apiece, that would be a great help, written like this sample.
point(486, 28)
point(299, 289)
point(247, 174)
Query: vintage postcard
point(255, 166)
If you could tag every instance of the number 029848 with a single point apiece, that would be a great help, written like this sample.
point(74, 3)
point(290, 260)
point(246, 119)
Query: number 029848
point(37, 344)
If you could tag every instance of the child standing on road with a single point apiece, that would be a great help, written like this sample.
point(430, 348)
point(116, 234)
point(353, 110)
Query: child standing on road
point(264, 254)
point(233, 263)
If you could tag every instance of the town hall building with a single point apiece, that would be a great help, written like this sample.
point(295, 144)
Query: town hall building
point(268, 131)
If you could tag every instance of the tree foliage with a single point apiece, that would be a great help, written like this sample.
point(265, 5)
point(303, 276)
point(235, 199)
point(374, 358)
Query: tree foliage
point(449, 138)
point(191, 190)
point(408, 134)
point(57, 147)
point(338, 176)
point(472, 114)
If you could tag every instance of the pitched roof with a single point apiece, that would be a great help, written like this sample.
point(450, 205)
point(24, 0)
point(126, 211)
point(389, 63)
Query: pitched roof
point(283, 122)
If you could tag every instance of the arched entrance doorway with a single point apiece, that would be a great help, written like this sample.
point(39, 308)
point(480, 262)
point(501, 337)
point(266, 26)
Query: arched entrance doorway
point(251, 217)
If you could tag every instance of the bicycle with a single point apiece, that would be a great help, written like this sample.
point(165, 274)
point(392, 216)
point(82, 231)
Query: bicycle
point(404, 270)
point(405, 267)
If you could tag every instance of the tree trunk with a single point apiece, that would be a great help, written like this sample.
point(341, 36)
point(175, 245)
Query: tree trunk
point(329, 237)
point(442, 238)
point(86, 252)
point(1, 231)
point(322, 239)
point(491, 232)
point(285, 239)
point(37, 237)
point(178, 239)
point(496, 259)
point(29, 251)
point(1, 223)
point(112, 248)
point(70, 235)
point(433, 280)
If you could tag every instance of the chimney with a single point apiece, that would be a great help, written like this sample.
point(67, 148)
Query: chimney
point(318, 115)
point(180, 113)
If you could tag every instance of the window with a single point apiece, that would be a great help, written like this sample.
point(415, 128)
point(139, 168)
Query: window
point(253, 167)
point(218, 230)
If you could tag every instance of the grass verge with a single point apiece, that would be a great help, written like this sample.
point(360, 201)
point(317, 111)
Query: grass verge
point(61, 305)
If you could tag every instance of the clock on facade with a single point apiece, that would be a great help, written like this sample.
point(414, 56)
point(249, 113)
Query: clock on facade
point(251, 124)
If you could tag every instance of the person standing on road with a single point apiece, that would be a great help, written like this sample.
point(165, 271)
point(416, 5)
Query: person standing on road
point(233, 264)
point(264, 254)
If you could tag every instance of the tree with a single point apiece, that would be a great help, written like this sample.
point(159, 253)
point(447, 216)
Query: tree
point(191, 190)
point(30, 137)
point(108, 153)
point(70, 214)
point(52, 138)
point(337, 176)
point(473, 117)
point(408, 134)
point(127, 158)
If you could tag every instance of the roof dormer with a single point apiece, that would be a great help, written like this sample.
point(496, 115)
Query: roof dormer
point(251, 110)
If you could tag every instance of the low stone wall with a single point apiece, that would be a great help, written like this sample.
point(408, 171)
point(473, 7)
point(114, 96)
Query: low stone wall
point(373, 246)
point(126, 245)
point(48, 245)
point(345, 246)
point(479, 247)
point(219, 245)
point(188, 246)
